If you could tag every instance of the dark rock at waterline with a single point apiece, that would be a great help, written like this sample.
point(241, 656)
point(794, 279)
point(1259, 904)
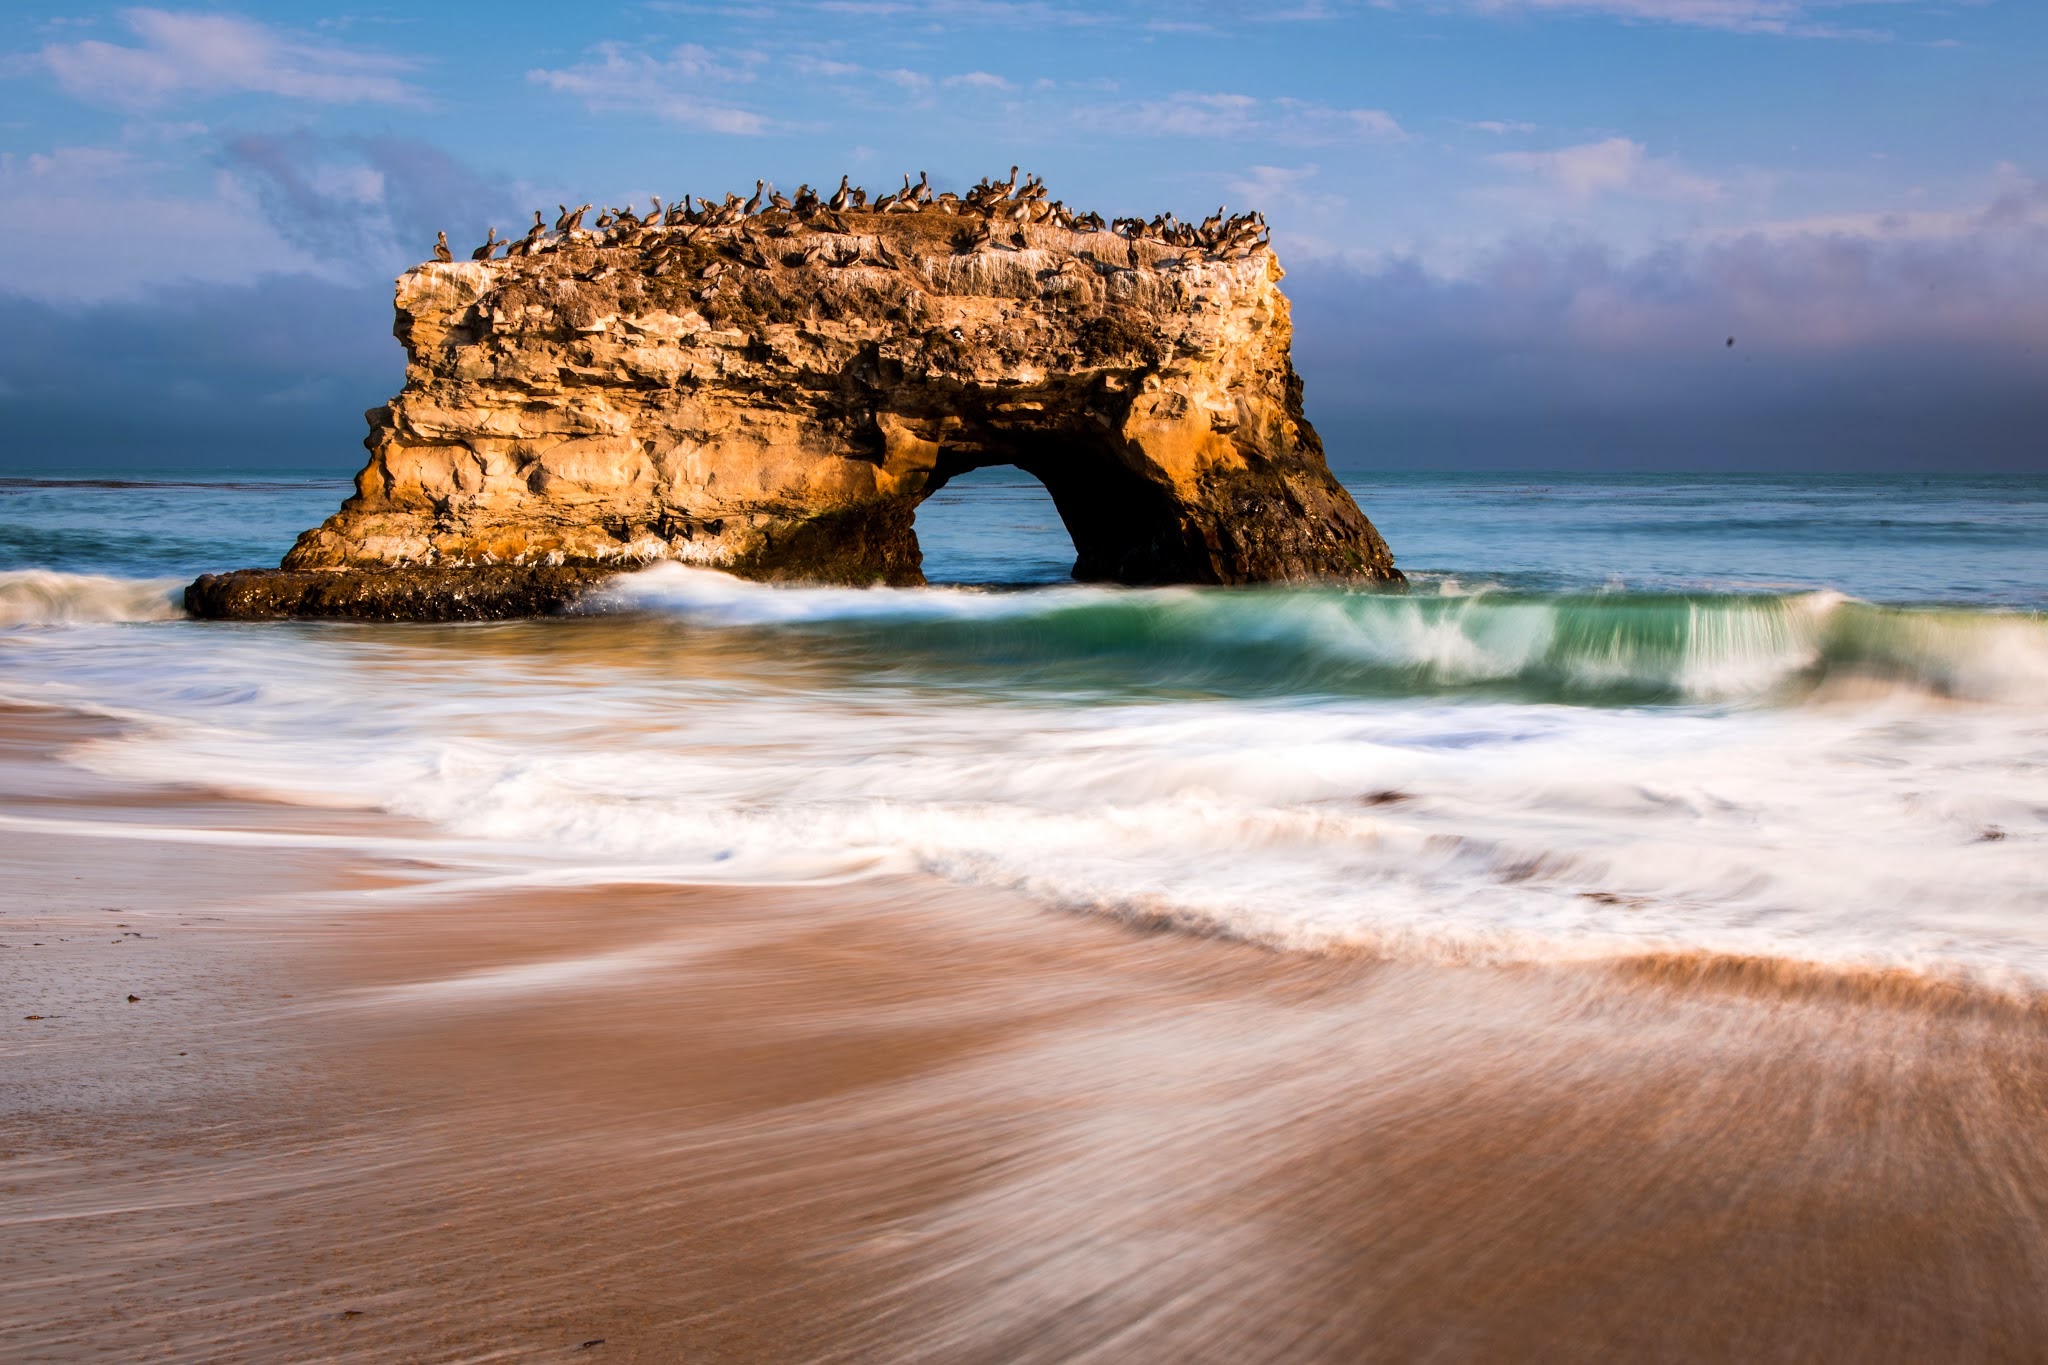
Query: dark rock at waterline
point(488, 592)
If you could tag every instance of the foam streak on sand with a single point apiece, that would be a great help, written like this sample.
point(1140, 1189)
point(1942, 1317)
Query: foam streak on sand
point(909, 1122)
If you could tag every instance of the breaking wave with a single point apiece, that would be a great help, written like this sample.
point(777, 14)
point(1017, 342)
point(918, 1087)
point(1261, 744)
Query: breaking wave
point(1704, 783)
point(39, 597)
point(1615, 647)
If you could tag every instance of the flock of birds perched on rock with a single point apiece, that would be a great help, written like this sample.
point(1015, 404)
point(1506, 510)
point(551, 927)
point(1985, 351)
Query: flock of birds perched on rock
point(993, 205)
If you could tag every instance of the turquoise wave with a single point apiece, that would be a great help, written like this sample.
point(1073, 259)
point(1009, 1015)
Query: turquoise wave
point(1603, 648)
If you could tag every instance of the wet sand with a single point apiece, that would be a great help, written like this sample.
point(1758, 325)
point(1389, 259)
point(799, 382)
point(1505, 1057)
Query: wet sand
point(354, 1116)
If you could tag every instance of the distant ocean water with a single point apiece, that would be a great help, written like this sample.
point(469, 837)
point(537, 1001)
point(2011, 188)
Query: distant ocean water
point(1794, 718)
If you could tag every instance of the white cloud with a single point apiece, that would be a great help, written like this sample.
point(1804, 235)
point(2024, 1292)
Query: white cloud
point(979, 80)
point(1617, 165)
point(200, 55)
point(620, 81)
point(1497, 127)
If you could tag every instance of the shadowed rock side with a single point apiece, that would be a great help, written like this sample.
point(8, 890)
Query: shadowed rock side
point(774, 397)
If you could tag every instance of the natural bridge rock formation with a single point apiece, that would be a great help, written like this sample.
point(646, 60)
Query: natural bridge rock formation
point(774, 397)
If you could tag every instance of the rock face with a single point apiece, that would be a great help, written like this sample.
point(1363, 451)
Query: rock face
point(774, 398)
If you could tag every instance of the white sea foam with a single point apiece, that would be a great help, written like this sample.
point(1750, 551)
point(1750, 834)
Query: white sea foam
point(1899, 823)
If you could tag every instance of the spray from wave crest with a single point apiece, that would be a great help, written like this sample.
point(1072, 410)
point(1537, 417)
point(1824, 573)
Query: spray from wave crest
point(1607, 647)
point(38, 597)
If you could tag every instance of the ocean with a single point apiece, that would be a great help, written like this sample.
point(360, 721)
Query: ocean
point(1788, 718)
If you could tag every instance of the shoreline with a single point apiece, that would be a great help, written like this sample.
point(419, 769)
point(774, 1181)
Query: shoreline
point(898, 1120)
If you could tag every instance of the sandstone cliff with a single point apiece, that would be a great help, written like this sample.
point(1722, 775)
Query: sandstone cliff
point(774, 397)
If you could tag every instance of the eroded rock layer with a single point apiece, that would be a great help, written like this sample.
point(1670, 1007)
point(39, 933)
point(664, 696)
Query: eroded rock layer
point(775, 397)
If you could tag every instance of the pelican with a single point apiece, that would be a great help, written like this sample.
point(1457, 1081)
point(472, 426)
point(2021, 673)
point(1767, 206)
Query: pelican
point(839, 196)
point(753, 205)
point(562, 223)
point(441, 251)
point(483, 253)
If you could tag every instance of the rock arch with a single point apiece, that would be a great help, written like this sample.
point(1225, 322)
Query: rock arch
point(775, 401)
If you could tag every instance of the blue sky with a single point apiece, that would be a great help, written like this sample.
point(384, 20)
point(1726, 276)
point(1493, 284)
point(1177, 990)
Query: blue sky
point(1519, 232)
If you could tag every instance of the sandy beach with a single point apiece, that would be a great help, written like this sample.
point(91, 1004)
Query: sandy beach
point(361, 1111)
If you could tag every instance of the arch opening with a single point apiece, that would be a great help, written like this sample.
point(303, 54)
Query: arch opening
point(1047, 478)
point(995, 525)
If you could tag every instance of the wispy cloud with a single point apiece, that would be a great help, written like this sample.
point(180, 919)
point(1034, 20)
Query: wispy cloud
point(1495, 126)
point(188, 55)
point(979, 80)
point(1791, 18)
point(971, 13)
point(1617, 165)
point(367, 205)
point(1236, 116)
point(81, 243)
point(1289, 188)
point(618, 80)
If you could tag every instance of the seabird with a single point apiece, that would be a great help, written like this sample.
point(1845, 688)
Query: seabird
point(839, 196)
point(483, 253)
point(562, 223)
point(441, 251)
point(753, 206)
